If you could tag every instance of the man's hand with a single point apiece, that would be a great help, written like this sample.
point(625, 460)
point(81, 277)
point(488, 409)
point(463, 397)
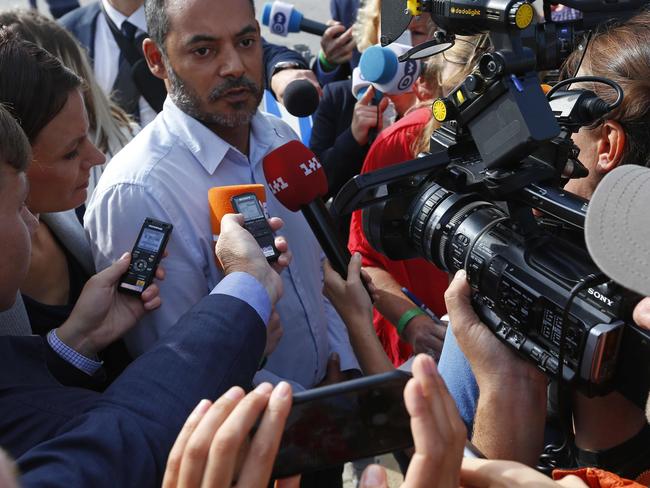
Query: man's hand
point(438, 433)
point(213, 448)
point(492, 362)
point(281, 79)
point(367, 116)
point(273, 334)
point(237, 250)
point(425, 335)
point(102, 314)
point(337, 43)
point(512, 390)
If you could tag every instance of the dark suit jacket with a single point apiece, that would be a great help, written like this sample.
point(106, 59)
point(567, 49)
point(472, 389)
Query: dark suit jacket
point(82, 23)
point(67, 437)
point(331, 136)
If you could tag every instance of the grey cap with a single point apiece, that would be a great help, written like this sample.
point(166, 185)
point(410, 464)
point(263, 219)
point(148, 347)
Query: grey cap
point(617, 227)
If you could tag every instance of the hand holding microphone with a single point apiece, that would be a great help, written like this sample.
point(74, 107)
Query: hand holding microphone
point(337, 45)
point(297, 179)
point(367, 118)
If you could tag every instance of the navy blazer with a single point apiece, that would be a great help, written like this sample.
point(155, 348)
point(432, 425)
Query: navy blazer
point(73, 437)
point(82, 23)
point(331, 136)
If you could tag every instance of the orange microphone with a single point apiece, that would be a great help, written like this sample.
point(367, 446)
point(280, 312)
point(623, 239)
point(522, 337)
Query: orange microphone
point(220, 204)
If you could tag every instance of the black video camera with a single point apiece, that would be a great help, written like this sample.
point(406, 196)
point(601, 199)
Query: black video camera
point(504, 149)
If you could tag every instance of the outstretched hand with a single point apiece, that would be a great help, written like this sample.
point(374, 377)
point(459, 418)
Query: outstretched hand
point(102, 314)
point(214, 448)
point(438, 433)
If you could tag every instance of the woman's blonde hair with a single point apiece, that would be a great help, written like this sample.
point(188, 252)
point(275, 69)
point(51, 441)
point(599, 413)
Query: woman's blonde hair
point(463, 55)
point(366, 29)
point(109, 124)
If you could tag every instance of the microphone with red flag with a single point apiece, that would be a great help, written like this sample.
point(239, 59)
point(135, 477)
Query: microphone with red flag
point(297, 179)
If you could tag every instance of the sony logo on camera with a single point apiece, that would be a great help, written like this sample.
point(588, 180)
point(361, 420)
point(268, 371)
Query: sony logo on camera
point(599, 296)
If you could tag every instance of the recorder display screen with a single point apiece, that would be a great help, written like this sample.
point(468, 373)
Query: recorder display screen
point(151, 240)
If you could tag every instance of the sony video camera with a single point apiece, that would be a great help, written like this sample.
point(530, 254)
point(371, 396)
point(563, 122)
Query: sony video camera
point(488, 196)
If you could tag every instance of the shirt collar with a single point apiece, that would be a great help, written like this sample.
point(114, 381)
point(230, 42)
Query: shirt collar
point(137, 18)
point(210, 149)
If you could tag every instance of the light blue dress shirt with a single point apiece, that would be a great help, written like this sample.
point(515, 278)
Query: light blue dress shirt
point(165, 173)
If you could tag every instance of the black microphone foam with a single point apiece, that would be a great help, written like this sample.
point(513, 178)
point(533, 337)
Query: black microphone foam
point(301, 98)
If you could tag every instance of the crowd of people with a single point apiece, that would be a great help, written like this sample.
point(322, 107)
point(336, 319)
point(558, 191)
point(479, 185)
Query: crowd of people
point(123, 110)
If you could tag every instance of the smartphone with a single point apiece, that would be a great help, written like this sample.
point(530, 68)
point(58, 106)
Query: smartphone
point(145, 256)
point(332, 425)
point(255, 222)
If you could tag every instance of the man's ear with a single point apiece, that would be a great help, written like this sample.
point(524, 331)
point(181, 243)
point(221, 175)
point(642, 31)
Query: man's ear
point(611, 146)
point(154, 59)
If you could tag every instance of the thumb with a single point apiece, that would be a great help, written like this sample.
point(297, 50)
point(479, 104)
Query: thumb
point(458, 301)
point(112, 274)
point(366, 99)
point(374, 476)
point(231, 220)
point(354, 268)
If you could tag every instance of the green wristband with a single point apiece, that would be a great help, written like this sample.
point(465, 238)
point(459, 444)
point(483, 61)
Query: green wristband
point(327, 66)
point(406, 318)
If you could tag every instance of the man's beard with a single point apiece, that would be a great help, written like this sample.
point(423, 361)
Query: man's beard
point(189, 101)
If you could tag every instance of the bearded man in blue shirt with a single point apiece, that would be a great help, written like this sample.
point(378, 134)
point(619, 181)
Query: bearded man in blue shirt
point(210, 133)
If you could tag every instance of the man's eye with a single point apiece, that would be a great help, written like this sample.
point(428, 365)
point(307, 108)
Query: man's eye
point(202, 51)
point(247, 42)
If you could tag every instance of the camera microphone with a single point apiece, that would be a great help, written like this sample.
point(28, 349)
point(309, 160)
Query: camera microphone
point(297, 179)
point(282, 18)
point(381, 67)
point(301, 98)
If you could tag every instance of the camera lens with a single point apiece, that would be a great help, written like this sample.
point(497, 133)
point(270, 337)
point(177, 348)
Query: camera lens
point(444, 226)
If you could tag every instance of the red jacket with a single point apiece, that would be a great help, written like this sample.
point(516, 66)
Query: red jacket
point(392, 146)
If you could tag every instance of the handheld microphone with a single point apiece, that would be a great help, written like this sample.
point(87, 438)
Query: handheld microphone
point(219, 198)
point(282, 18)
point(301, 98)
point(297, 179)
point(381, 67)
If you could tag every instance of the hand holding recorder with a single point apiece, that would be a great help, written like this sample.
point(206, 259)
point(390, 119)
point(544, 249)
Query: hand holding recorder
point(102, 315)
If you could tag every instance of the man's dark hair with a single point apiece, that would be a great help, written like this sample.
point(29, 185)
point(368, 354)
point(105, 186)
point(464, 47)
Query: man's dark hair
point(14, 146)
point(155, 12)
point(34, 85)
